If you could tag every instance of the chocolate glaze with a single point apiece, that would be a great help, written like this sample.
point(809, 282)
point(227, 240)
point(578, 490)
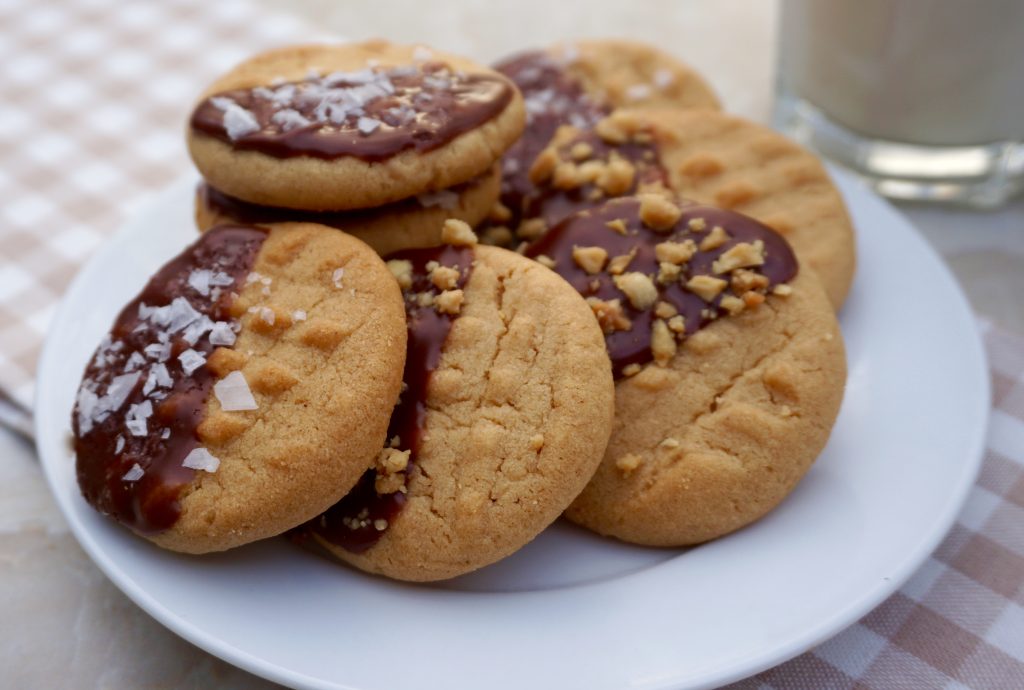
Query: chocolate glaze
point(553, 98)
point(588, 229)
point(428, 331)
point(256, 214)
point(150, 504)
point(428, 107)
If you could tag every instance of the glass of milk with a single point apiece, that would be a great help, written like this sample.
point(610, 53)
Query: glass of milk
point(923, 98)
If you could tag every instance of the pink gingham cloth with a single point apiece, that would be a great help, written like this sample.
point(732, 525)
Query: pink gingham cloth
point(93, 97)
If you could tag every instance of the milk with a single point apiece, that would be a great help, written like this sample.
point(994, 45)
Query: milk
point(924, 72)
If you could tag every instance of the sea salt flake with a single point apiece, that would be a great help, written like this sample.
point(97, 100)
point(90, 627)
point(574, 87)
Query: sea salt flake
point(298, 315)
point(86, 401)
point(221, 279)
point(199, 280)
point(289, 119)
point(119, 446)
point(134, 474)
point(135, 361)
point(234, 394)
point(238, 122)
point(135, 420)
point(201, 459)
point(367, 125)
point(165, 434)
point(222, 334)
point(118, 391)
point(161, 352)
point(190, 361)
point(197, 329)
point(337, 276)
point(158, 377)
point(268, 316)
point(253, 277)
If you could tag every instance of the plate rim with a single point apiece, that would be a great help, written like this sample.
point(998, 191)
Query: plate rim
point(828, 627)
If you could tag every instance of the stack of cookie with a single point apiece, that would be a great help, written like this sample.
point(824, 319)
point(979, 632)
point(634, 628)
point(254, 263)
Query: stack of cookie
point(639, 340)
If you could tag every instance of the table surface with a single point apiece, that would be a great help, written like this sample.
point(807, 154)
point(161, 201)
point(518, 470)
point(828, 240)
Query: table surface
point(92, 633)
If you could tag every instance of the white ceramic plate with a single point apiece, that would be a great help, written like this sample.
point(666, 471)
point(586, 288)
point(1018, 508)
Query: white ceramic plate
point(571, 609)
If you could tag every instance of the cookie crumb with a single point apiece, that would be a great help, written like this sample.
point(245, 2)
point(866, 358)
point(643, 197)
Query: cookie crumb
point(782, 290)
point(715, 239)
point(697, 224)
point(628, 463)
point(536, 442)
point(705, 287)
point(402, 271)
point(590, 259)
point(458, 233)
point(639, 288)
point(658, 213)
point(449, 302)
point(391, 460)
point(444, 277)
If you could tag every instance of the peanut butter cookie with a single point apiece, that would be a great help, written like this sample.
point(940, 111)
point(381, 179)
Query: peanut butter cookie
point(504, 417)
point(414, 222)
point(245, 390)
point(340, 127)
point(729, 361)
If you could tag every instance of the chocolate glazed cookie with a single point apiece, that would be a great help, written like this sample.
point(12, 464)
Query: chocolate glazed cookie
point(351, 126)
point(245, 390)
point(577, 85)
point(406, 224)
point(729, 361)
point(504, 417)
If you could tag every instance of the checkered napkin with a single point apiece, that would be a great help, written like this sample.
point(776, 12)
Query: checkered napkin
point(93, 97)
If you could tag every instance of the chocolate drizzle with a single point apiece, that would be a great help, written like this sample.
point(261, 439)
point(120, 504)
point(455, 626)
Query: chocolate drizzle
point(137, 406)
point(589, 229)
point(553, 98)
point(352, 523)
point(371, 115)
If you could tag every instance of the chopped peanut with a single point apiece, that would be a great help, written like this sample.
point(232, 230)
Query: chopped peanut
point(590, 259)
point(639, 288)
point(705, 287)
